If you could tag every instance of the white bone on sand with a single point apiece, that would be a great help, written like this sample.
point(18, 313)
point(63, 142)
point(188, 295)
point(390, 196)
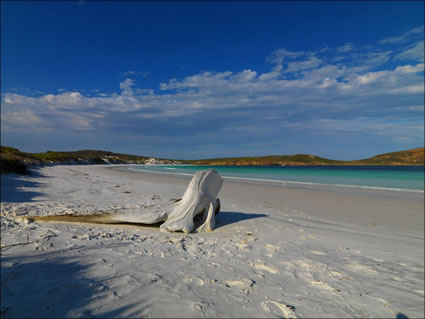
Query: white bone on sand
point(199, 200)
point(199, 197)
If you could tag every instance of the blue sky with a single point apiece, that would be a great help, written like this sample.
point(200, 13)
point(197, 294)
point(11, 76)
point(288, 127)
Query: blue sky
point(342, 80)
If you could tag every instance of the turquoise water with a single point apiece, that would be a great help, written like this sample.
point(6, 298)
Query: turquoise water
point(392, 177)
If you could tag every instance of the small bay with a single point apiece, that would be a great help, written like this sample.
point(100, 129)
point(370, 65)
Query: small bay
point(385, 177)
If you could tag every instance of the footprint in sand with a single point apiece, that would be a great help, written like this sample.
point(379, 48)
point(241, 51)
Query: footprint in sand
point(270, 268)
point(202, 306)
point(244, 283)
point(361, 268)
point(323, 285)
point(279, 309)
point(272, 248)
point(194, 281)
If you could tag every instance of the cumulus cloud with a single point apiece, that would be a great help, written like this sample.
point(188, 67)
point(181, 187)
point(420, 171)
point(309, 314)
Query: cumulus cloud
point(371, 77)
point(410, 68)
point(126, 86)
point(340, 89)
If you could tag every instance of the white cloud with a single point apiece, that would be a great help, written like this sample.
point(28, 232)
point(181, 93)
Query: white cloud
point(134, 73)
point(405, 36)
point(311, 63)
point(327, 82)
point(415, 108)
point(325, 72)
point(273, 74)
point(70, 98)
point(371, 77)
point(345, 48)
point(126, 86)
point(410, 68)
point(245, 76)
point(278, 56)
point(144, 91)
point(208, 91)
point(408, 89)
point(298, 85)
point(414, 52)
point(23, 117)
point(395, 129)
point(377, 58)
point(79, 121)
point(201, 80)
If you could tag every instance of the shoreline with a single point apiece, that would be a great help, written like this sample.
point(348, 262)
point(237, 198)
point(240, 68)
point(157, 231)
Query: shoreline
point(286, 252)
point(287, 183)
point(385, 205)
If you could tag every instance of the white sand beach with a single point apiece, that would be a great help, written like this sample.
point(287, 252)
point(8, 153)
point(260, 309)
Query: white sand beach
point(276, 251)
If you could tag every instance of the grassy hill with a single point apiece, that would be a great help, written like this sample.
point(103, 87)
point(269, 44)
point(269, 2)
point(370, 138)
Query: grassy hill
point(409, 157)
point(298, 159)
point(13, 160)
point(89, 157)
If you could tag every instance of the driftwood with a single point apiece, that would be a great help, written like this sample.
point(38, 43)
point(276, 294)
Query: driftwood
point(200, 198)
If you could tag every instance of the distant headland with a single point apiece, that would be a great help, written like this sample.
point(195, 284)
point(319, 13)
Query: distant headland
point(409, 157)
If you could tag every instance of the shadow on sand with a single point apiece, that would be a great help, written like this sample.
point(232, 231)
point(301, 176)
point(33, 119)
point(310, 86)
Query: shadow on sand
point(228, 218)
point(12, 187)
point(42, 288)
point(52, 286)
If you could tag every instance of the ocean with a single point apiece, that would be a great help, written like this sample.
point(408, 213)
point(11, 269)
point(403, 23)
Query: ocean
point(404, 178)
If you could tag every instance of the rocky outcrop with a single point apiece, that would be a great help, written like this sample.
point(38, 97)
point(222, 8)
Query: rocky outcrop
point(154, 161)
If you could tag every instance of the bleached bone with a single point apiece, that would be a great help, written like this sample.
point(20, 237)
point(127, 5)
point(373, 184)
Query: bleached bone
point(199, 200)
point(200, 197)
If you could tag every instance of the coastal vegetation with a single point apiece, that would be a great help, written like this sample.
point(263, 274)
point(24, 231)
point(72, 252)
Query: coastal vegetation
point(409, 157)
point(13, 160)
point(298, 159)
